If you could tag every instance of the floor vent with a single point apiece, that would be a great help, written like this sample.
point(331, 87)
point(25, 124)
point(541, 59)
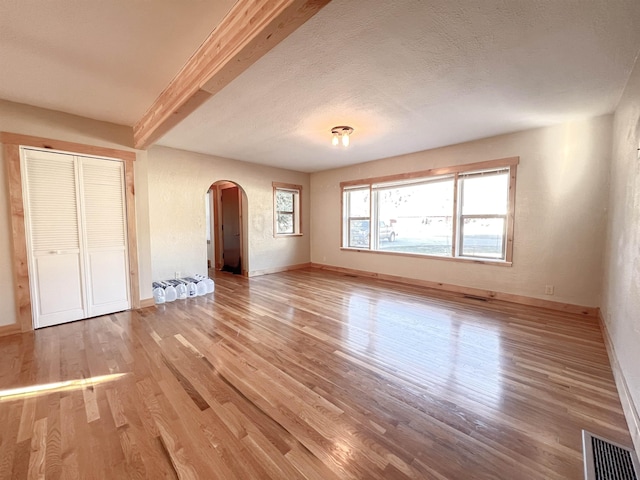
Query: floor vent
point(475, 297)
point(605, 460)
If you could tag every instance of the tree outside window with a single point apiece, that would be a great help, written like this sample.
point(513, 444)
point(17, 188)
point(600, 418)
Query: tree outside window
point(286, 209)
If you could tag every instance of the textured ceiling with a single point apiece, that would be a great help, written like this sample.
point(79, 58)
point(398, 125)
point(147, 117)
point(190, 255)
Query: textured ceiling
point(102, 59)
point(410, 75)
point(406, 74)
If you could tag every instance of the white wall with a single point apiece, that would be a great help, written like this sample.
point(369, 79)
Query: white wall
point(560, 213)
point(621, 299)
point(26, 120)
point(178, 182)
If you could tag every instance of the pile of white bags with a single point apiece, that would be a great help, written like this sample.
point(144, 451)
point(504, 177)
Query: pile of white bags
point(182, 288)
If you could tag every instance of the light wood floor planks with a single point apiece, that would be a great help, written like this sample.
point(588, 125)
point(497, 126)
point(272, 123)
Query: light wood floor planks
point(308, 374)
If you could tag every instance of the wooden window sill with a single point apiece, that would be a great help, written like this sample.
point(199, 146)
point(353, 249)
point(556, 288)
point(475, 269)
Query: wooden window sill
point(482, 261)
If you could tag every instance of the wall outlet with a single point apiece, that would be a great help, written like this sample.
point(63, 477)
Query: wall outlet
point(548, 290)
point(177, 275)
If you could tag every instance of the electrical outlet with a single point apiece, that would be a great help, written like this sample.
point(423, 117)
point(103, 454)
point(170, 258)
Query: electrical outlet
point(177, 275)
point(548, 290)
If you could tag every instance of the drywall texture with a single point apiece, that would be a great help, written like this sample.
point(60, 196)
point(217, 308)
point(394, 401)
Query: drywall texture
point(621, 298)
point(27, 120)
point(178, 183)
point(559, 213)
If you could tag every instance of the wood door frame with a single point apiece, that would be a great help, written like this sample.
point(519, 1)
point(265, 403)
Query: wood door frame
point(218, 247)
point(217, 225)
point(11, 149)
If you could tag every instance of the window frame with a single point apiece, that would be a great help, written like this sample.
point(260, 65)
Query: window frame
point(461, 216)
point(297, 209)
point(349, 218)
point(455, 172)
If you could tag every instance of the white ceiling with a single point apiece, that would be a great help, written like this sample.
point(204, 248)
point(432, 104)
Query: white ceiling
point(102, 59)
point(406, 74)
point(410, 75)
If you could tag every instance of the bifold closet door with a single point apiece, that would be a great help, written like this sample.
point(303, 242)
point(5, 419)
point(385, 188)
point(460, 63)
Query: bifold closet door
point(105, 233)
point(52, 211)
point(75, 217)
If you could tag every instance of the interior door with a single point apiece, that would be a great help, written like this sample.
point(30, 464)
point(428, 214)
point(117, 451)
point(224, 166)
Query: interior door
point(231, 229)
point(53, 239)
point(105, 233)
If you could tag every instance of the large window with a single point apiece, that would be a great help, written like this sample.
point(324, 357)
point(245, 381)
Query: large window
point(286, 206)
point(457, 212)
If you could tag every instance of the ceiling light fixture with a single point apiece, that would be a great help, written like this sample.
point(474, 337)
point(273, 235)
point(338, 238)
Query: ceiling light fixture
point(341, 135)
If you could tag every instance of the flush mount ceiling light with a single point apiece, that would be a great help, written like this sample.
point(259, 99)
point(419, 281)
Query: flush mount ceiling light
point(341, 136)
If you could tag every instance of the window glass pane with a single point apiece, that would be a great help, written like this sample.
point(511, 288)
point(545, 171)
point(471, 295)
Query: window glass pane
point(285, 222)
point(485, 194)
point(482, 237)
point(359, 233)
point(358, 203)
point(416, 218)
point(284, 201)
point(386, 230)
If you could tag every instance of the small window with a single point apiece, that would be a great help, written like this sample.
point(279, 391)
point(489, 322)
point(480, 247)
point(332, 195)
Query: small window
point(357, 209)
point(286, 206)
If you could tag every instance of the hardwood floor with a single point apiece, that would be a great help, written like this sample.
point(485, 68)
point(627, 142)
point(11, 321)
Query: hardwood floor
point(308, 374)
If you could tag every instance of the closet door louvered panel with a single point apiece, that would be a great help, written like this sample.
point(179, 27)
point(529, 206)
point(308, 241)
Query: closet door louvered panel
point(104, 227)
point(52, 214)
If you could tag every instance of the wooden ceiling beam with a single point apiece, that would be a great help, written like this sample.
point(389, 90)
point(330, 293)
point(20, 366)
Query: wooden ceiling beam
point(245, 34)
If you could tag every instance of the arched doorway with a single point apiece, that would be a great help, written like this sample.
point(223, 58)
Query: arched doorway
point(227, 227)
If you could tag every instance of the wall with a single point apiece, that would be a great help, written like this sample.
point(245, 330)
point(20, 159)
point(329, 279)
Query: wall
point(621, 298)
point(178, 182)
point(560, 213)
point(26, 120)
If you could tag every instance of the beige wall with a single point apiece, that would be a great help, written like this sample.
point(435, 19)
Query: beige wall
point(560, 213)
point(178, 182)
point(26, 120)
point(621, 299)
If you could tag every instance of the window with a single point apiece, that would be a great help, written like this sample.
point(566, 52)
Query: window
point(286, 206)
point(484, 199)
point(357, 211)
point(460, 212)
point(416, 214)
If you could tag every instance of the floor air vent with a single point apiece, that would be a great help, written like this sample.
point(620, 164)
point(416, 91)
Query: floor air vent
point(605, 460)
point(475, 297)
